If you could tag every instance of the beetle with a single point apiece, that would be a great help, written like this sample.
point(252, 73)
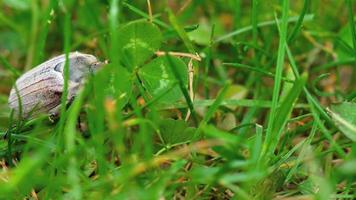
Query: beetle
point(40, 89)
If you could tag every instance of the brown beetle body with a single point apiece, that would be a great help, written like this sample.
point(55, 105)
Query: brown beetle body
point(41, 88)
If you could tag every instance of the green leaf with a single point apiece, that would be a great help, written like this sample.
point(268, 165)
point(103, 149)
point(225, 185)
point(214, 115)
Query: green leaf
point(344, 116)
point(202, 34)
point(157, 76)
point(137, 42)
point(116, 83)
point(175, 131)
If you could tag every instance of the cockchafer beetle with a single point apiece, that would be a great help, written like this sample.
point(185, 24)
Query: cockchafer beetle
point(40, 89)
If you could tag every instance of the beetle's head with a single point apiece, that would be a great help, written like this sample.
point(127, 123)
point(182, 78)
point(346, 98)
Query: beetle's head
point(81, 65)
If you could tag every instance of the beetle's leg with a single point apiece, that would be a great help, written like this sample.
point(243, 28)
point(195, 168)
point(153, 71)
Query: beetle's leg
point(54, 113)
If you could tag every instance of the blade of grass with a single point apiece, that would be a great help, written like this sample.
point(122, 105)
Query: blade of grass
point(353, 35)
point(207, 63)
point(258, 49)
point(67, 46)
point(257, 148)
point(257, 69)
point(70, 134)
point(299, 23)
point(143, 14)
point(352, 24)
point(232, 102)
point(261, 24)
point(220, 97)
point(270, 134)
point(35, 18)
point(61, 124)
point(333, 64)
point(8, 134)
point(181, 32)
point(67, 126)
point(316, 109)
point(43, 33)
point(254, 79)
point(34, 140)
point(227, 138)
point(310, 98)
point(237, 5)
point(283, 112)
point(113, 17)
point(325, 131)
point(302, 154)
point(117, 135)
point(91, 11)
point(254, 21)
point(315, 88)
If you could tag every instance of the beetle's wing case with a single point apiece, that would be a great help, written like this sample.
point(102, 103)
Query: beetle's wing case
point(39, 88)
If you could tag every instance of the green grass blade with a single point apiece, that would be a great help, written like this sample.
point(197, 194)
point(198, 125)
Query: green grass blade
point(352, 24)
point(67, 46)
point(299, 23)
point(43, 32)
point(284, 111)
point(254, 21)
point(181, 32)
point(145, 15)
point(232, 102)
point(31, 51)
point(257, 69)
point(261, 24)
point(216, 103)
point(70, 134)
point(113, 17)
point(271, 134)
point(309, 96)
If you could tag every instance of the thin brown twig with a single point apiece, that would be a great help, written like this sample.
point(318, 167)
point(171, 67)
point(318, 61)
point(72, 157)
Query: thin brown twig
point(179, 54)
point(34, 194)
point(199, 147)
point(185, 5)
point(190, 82)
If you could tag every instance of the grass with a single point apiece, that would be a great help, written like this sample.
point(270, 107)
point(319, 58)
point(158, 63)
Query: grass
point(260, 124)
